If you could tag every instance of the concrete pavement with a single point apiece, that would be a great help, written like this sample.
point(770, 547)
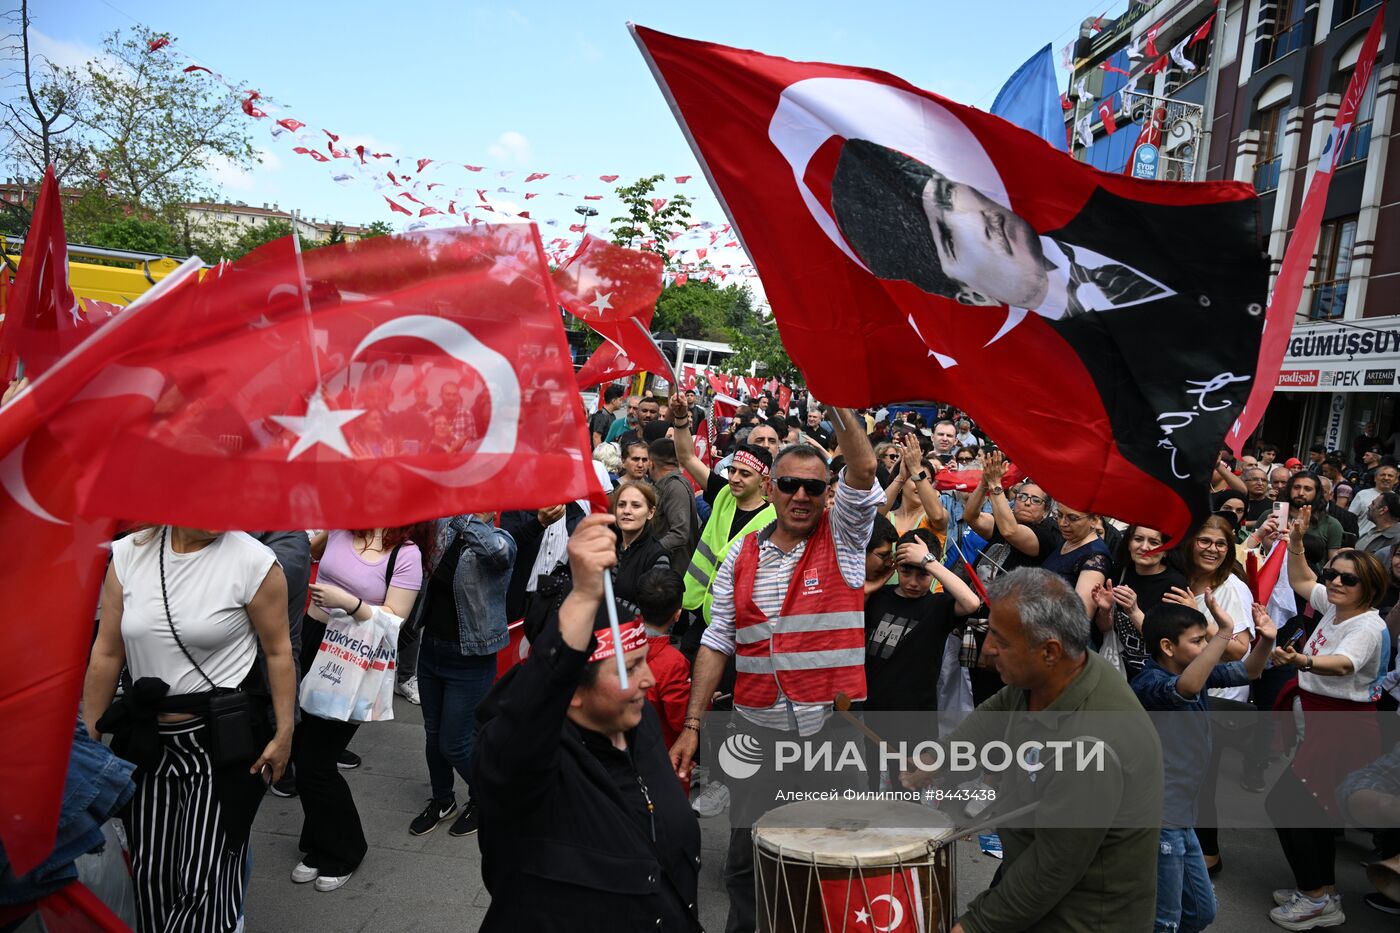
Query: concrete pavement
point(433, 882)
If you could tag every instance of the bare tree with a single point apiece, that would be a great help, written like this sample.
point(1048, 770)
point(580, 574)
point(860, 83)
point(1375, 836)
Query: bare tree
point(41, 127)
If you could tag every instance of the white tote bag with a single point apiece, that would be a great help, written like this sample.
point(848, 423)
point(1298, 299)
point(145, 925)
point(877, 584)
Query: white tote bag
point(346, 678)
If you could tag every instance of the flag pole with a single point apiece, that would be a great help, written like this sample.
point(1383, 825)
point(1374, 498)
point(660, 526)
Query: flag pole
point(613, 626)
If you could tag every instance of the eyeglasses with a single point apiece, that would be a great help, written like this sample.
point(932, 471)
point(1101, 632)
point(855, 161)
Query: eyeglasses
point(788, 486)
point(1027, 497)
point(1348, 579)
point(967, 459)
point(915, 569)
point(1211, 544)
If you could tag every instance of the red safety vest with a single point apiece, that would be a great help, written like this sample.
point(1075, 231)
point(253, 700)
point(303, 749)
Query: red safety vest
point(816, 647)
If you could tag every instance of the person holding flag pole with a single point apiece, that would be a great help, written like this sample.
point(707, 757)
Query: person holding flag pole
point(583, 826)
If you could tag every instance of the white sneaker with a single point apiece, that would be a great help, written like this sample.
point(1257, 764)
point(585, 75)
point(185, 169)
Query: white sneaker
point(1284, 895)
point(304, 873)
point(699, 775)
point(408, 689)
point(1304, 913)
point(712, 801)
point(330, 883)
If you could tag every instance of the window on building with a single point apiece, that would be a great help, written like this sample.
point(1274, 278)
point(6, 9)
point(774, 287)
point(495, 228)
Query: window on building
point(1334, 248)
point(1358, 142)
point(1269, 122)
point(1343, 10)
point(1287, 33)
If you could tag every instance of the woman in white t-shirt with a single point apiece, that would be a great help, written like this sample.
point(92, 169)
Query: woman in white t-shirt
point(185, 611)
point(1338, 672)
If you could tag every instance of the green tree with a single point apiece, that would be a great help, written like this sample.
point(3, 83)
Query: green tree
point(377, 228)
point(139, 234)
point(261, 234)
point(764, 347)
point(154, 131)
point(643, 221)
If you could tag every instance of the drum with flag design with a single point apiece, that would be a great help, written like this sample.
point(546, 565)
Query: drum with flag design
point(869, 865)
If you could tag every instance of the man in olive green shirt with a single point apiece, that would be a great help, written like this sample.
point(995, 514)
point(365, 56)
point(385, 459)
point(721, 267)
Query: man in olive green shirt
point(1061, 873)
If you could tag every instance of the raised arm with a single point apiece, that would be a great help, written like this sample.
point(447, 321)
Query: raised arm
point(923, 485)
point(855, 447)
point(1015, 534)
point(679, 413)
point(1300, 575)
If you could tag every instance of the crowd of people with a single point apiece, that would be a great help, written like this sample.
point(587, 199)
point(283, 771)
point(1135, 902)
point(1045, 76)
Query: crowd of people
point(805, 554)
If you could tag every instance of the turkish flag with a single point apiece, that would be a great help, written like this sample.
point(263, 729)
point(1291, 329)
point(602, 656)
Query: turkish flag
point(277, 396)
point(606, 283)
point(42, 319)
point(688, 377)
point(881, 899)
point(57, 574)
point(950, 254)
point(627, 349)
point(516, 650)
point(784, 399)
point(1110, 125)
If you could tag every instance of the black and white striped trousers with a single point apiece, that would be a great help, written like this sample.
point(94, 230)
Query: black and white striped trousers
point(186, 877)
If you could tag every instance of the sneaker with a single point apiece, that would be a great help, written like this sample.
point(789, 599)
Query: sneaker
point(347, 761)
point(304, 873)
point(465, 824)
point(1284, 895)
point(287, 786)
point(434, 813)
point(1304, 913)
point(1253, 782)
point(1377, 901)
point(699, 775)
point(408, 689)
point(331, 882)
point(712, 800)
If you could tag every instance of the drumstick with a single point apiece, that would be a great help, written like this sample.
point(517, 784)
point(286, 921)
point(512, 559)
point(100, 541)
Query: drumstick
point(842, 704)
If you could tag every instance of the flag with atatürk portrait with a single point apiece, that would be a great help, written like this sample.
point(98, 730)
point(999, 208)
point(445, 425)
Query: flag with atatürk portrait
point(1102, 329)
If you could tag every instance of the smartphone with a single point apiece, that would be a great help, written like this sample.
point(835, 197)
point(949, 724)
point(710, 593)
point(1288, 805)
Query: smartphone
point(1297, 638)
point(1281, 515)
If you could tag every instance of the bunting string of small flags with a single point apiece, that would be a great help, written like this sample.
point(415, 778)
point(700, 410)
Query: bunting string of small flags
point(423, 192)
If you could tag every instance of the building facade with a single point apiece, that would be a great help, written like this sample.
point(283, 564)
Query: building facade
point(1247, 90)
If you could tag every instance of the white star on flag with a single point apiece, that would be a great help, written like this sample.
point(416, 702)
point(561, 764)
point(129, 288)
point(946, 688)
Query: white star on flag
point(320, 425)
point(862, 916)
point(602, 301)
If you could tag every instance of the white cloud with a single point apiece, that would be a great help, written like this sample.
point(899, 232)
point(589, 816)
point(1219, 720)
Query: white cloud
point(510, 148)
point(225, 174)
point(61, 52)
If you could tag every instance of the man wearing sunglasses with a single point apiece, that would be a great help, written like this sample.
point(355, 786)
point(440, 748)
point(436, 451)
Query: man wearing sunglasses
point(788, 604)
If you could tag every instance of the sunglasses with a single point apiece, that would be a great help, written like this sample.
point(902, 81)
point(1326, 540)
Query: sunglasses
point(1348, 579)
point(967, 459)
point(915, 569)
point(788, 486)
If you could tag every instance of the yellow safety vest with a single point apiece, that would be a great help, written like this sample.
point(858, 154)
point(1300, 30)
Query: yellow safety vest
point(715, 542)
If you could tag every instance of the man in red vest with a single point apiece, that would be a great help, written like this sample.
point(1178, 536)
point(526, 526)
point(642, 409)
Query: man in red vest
point(789, 605)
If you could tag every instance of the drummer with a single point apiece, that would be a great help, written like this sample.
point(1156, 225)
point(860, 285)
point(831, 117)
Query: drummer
point(776, 693)
point(583, 826)
point(1086, 858)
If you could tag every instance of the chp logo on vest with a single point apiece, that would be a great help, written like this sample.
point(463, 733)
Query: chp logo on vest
point(740, 756)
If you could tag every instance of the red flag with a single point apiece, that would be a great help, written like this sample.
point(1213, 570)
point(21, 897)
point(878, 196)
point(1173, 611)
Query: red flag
point(423, 163)
point(1262, 584)
point(682, 179)
point(1158, 65)
point(193, 68)
point(516, 650)
point(1114, 69)
point(283, 433)
point(318, 156)
point(593, 197)
point(536, 176)
point(784, 399)
point(657, 204)
point(405, 194)
point(888, 900)
point(608, 178)
point(873, 180)
point(428, 211)
point(1110, 125)
point(968, 480)
point(602, 282)
point(156, 45)
point(682, 278)
point(248, 107)
point(1151, 36)
point(1203, 31)
point(628, 348)
point(1297, 256)
point(291, 124)
point(42, 321)
point(46, 662)
point(396, 206)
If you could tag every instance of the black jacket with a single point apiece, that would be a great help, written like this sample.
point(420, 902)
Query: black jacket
point(1351, 526)
point(633, 563)
point(561, 849)
point(527, 531)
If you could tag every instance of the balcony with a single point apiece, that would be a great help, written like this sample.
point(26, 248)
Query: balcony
point(1288, 39)
point(1329, 300)
point(1358, 144)
point(1266, 174)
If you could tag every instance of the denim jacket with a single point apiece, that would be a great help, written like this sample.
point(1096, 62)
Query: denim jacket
point(479, 582)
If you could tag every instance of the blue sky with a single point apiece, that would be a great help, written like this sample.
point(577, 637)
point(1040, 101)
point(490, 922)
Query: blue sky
point(546, 86)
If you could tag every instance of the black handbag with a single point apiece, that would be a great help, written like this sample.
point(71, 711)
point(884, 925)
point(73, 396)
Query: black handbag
point(231, 737)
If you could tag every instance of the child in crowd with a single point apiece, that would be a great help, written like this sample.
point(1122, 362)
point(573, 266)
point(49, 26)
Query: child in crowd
point(1185, 663)
point(659, 595)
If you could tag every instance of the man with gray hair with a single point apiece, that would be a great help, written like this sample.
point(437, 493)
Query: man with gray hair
point(1085, 858)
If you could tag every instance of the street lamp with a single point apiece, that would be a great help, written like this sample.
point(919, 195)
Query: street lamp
point(584, 211)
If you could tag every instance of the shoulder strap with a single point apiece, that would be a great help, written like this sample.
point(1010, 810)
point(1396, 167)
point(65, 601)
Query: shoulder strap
point(169, 620)
point(389, 570)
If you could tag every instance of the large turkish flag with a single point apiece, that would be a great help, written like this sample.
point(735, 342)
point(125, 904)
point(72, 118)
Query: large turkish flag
point(1104, 330)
